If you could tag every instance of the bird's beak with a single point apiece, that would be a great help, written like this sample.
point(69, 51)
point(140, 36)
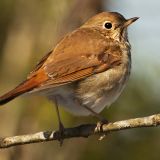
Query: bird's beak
point(130, 21)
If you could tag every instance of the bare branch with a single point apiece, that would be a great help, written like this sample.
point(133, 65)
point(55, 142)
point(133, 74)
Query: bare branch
point(81, 131)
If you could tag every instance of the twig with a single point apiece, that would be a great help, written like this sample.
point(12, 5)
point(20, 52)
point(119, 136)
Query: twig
point(81, 131)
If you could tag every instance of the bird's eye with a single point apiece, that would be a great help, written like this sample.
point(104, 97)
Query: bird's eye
point(108, 25)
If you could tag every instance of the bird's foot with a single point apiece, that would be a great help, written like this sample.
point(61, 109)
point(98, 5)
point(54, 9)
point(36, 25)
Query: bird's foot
point(100, 128)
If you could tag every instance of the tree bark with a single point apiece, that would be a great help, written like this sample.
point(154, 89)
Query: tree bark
point(84, 130)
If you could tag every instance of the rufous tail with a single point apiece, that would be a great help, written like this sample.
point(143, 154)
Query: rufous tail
point(26, 86)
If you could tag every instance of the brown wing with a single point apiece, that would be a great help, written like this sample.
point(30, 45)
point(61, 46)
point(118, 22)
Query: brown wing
point(79, 55)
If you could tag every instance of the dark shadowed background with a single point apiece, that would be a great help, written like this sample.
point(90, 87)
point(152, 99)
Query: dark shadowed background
point(29, 29)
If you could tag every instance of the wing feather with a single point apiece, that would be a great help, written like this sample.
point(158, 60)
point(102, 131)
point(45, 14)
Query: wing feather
point(80, 54)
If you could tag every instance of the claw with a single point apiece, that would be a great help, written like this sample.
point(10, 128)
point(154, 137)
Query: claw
point(100, 128)
point(101, 123)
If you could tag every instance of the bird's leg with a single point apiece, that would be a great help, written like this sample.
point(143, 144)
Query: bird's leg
point(101, 119)
point(101, 122)
point(61, 127)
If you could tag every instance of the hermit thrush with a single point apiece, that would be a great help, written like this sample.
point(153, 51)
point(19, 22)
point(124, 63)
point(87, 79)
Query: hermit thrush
point(87, 70)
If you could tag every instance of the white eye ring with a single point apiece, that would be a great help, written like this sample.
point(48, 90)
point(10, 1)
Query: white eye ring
point(107, 25)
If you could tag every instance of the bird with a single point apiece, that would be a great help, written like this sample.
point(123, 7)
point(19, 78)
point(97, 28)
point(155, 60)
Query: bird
point(86, 71)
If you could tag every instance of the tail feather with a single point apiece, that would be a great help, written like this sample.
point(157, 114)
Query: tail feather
point(24, 87)
point(19, 90)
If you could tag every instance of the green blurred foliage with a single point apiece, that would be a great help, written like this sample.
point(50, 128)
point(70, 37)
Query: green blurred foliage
point(28, 29)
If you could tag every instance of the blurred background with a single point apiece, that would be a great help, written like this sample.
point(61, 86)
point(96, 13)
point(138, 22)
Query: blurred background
point(29, 29)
